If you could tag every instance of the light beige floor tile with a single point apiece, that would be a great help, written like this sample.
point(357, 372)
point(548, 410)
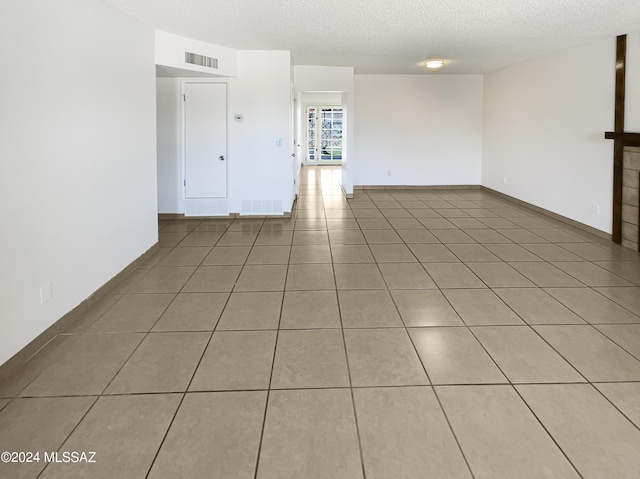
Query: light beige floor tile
point(269, 255)
point(3, 403)
point(625, 335)
point(310, 309)
point(70, 375)
point(524, 357)
point(628, 298)
point(545, 274)
point(453, 236)
point(163, 280)
point(346, 236)
point(236, 360)
point(256, 310)
point(201, 238)
point(310, 434)
point(192, 312)
point(407, 223)
point(164, 362)
point(499, 275)
point(598, 440)
point(13, 382)
point(310, 254)
point(134, 312)
point(185, 256)
point(358, 276)
point(481, 307)
point(472, 252)
point(310, 359)
point(237, 238)
point(454, 356)
point(406, 276)
point(36, 425)
point(374, 224)
point(453, 275)
point(468, 224)
point(404, 435)
point(499, 436)
point(381, 236)
point(625, 396)
point(368, 309)
point(267, 277)
point(383, 357)
point(212, 279)
point(494, 222)
point(124, 431)
point(487, 236)
point(310, 277)
point(170, 239)
point(302, 237)
point(628, 270)
point(85, 320)
point(274, 237)
point(591, 274)
point(512, 252)
point(425, 308)
point(392, 253)
point(433, 253)
point(591, 353)
point(536, 306)
point(551, 252)
point(592, 306)
point(555, 235)
point(417, 236)
point(317, 223)
point(181, 225)
point(521, 236)
point(213, 225)
point(351, 253)
point(227, 255)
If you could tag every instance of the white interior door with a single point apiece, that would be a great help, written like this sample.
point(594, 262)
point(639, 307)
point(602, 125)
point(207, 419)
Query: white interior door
point(205, 140)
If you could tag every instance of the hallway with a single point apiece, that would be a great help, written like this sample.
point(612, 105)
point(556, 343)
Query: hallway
point(442, 333)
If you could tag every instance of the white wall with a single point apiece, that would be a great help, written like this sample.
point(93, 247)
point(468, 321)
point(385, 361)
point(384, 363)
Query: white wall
point(544, 124)
point(78, 168)
point(632, 84)
point(260, 176)
point(170, 197)
point(418, 129)
point(331, 79)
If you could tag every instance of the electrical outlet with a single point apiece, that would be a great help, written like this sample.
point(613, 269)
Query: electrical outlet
point(595, 209)
point(388, 172)
point(46, 291)
point(504, 180)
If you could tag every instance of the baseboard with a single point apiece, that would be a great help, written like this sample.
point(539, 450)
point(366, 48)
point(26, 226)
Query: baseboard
point(230, 216)
point(22, 356)
point(551, 214)
point(416, 187)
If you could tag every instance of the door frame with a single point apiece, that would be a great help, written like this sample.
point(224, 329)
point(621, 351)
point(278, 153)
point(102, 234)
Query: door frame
point(318, 161)
point(183, 133)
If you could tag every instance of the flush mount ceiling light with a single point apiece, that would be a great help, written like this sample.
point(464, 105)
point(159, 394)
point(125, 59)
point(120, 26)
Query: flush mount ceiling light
point(434, 63)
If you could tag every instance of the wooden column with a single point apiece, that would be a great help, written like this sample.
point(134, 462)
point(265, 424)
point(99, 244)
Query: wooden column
point(618, 144)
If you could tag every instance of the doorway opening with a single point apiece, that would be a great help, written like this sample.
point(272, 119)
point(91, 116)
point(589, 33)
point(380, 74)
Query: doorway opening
point(324, 135)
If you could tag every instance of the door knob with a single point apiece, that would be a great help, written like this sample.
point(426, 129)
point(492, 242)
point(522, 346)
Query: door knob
point(221, 157)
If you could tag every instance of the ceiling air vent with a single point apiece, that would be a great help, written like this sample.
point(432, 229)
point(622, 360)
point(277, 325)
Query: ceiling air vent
point(201, 60)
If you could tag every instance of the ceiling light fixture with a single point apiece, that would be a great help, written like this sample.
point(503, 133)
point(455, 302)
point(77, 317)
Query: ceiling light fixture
point(434, 63)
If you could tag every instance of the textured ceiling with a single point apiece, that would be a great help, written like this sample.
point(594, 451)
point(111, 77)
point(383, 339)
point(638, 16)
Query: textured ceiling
point(393, 36)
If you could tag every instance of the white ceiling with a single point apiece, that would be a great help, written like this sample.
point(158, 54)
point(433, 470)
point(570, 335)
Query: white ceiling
point(393, 36)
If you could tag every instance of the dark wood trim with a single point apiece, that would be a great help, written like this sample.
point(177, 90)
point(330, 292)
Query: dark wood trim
point(618, 145)
point(628, 139)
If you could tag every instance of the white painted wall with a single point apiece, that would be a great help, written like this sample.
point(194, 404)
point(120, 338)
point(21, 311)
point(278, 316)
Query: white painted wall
point(544, 124)
point(258, 171)
point(170, 50)
point(78, 169)
point(331, 79)
point(418, 129)
point(170, 191)
point(632, 84)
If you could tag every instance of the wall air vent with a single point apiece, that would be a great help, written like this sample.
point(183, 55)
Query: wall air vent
point(201, 60)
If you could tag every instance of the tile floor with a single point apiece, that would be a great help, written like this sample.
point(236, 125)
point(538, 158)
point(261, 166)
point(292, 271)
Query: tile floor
point(401, 334)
